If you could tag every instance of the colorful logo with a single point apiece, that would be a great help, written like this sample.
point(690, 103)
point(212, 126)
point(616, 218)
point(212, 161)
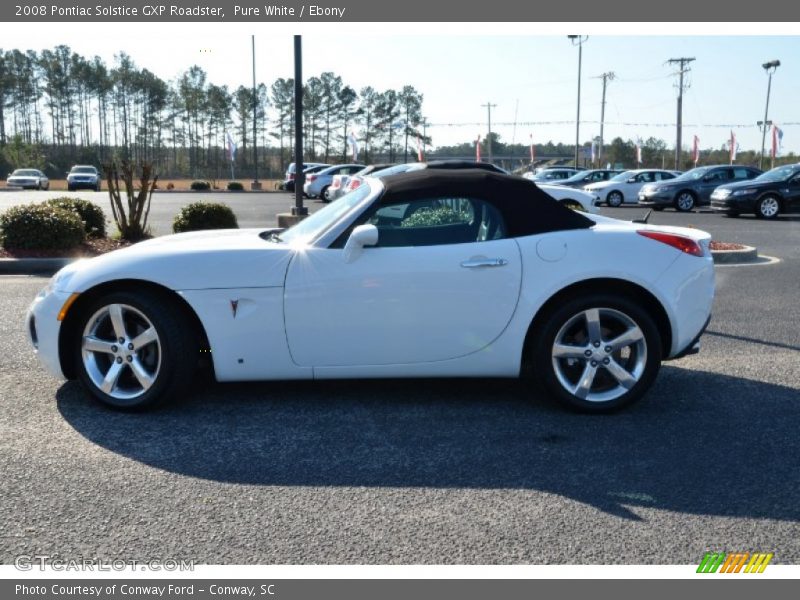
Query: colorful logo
point(734, 562)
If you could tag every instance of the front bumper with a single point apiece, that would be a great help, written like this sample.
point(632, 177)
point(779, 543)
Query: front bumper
point(655, 198)
point(88, 184)
point(43, 328)
point(734, 204)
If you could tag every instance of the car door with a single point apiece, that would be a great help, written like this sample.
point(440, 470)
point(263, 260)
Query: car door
point(442, 282)
point(712, 180)
point(792, 193)
point(639, 180)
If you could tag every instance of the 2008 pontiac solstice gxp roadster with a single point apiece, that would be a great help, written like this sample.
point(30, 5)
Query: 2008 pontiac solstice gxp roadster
point(425, 274)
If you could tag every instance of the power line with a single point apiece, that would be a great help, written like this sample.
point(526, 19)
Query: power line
point(619, 123)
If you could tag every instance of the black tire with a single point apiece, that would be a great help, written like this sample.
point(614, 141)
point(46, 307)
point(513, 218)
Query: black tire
point(175, 352)
point(97, 188)
point(70, 188)
point(615, 199)
point(685, 201)
point(645, 361)
point(323, 194)
point(768, 207)
point(573, 204)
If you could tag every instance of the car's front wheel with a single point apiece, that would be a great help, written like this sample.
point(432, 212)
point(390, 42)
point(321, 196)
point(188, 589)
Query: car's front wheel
point(684, 201)
point(597, 353)
point(134, 350)
point(768, 207)
point(614, 199)
point(324, 195)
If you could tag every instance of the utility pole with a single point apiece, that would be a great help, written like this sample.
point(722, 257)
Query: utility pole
point(578, 40)
point(606, 77)
point(489, 106)
point(683, 62)
point(298, 210)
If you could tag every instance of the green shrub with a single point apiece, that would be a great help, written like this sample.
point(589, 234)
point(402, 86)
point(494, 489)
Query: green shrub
point(40, 227)
point(200, 186)
point(94, 220)
point(429, 217)
point(204, 215)
point(235, 186)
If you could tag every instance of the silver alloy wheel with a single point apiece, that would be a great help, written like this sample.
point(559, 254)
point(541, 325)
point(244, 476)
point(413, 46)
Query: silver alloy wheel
point(599, 354)
point(121, 351)
point(615, 199)
point(769, 207)
point(685, 201)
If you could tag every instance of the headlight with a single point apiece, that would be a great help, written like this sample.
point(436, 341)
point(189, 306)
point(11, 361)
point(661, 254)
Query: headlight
point(721, 194)
point(746, 192)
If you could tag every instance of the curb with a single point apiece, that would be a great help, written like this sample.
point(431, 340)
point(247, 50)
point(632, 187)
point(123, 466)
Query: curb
point(748, 254)
point(32, 266)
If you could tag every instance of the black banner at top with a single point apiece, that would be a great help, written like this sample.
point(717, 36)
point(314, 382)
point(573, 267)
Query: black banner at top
point(243, 11)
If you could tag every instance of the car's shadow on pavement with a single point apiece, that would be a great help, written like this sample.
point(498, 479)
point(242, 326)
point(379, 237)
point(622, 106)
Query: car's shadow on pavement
point(700, 443)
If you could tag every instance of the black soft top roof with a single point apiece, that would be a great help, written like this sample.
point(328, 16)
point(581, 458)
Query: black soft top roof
point(526, 209)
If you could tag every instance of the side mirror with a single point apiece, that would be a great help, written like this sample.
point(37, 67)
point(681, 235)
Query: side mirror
point(363, 235)
point(632, 180)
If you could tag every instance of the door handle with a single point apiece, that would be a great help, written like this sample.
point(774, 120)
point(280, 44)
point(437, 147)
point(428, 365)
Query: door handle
point(474, 263)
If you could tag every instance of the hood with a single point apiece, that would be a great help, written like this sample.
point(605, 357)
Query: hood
point(749, 183)
point(231, 258)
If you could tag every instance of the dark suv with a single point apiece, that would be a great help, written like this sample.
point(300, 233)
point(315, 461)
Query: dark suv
point(694, 187)
point(767, 195)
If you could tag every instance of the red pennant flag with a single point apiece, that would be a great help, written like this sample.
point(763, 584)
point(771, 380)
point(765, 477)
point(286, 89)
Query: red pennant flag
point(478, 149)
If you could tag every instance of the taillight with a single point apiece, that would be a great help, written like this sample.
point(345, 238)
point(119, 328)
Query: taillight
point(291, 176)
point(353, 185)
point(310, 178)
point(336, 183)
point(683, 244)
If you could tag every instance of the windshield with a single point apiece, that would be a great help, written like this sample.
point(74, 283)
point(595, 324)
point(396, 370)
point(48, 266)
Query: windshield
point(91, 170)
point(312, 226)
point(25, 173)
point(779, 173)
point(694, 174)
point(624, 176)
point(392, 170)
point(552, 174)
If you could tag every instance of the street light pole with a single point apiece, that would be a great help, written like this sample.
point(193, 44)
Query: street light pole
point(299, 178)
point(770, 68)
point(255, 185)
point(578, 40)
point(489, 106)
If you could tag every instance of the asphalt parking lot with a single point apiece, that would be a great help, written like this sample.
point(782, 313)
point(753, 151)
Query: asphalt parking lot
point(417, 471)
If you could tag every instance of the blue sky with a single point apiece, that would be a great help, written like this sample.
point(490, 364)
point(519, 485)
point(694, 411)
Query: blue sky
point(531, 78)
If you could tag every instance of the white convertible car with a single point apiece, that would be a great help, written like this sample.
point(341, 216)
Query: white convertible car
point(425, 274)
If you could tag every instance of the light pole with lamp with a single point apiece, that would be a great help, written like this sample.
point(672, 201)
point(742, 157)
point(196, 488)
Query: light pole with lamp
point(770, 68)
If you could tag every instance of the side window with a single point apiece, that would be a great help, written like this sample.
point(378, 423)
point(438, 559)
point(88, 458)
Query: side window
point(437, 221)
point(719, 175)
point(599, 176)
point(663, 176)
point(645, 177)
point(741, 173)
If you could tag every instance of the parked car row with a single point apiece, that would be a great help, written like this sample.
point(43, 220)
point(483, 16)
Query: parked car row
point(79, 177)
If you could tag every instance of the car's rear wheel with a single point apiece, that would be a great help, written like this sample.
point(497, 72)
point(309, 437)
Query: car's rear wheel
point(597, 353)
point(134, 350)
point(614, 199)
point(768, 207)
point(684, 201)
point(324, 194)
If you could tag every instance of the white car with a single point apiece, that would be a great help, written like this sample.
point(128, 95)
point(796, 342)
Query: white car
point(425, 274)
point(624, 188)
point(571, 197)
point(32, 179)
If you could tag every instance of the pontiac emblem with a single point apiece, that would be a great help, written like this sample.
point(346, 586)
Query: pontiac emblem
point(234, 307)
